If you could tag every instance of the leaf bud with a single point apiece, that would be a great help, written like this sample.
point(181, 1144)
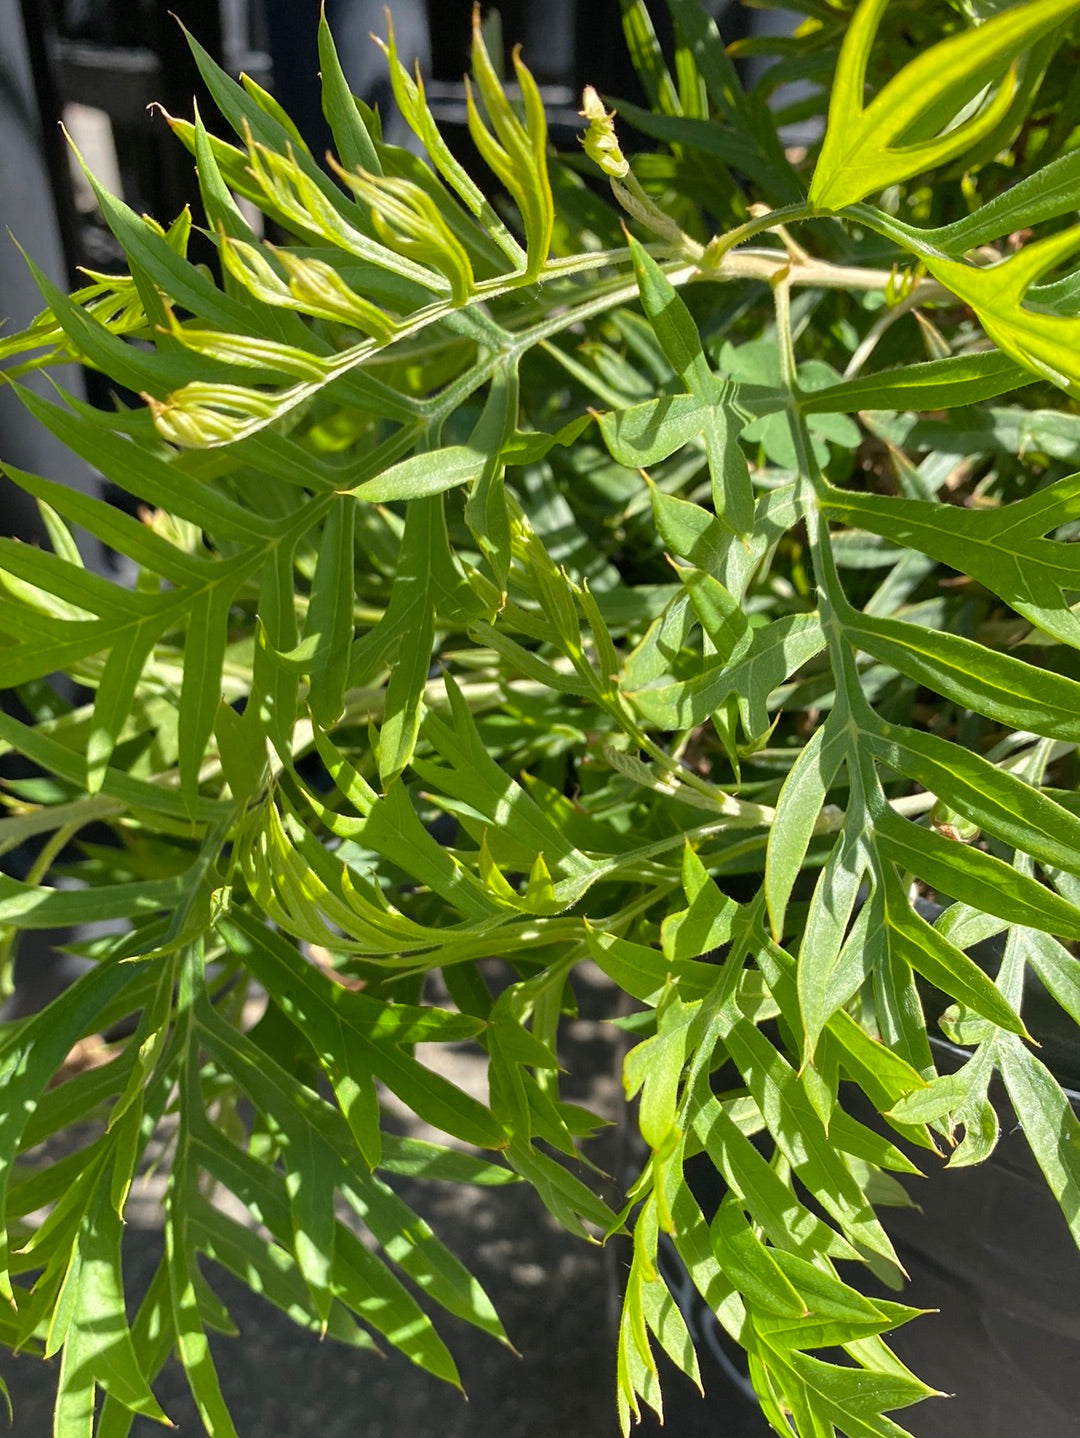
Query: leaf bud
point(600, 141)
point(320, 290)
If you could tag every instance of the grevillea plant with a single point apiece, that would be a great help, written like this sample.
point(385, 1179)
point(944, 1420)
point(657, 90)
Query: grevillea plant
point(668, 572)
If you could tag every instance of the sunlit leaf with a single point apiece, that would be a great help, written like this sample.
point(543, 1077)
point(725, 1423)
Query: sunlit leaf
point(865, 147)
point(1044, 344)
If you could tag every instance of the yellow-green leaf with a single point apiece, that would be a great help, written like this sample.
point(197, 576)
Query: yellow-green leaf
point(864, 149)
point(1047, 344)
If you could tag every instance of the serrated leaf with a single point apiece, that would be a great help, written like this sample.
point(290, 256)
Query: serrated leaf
point(413, 609)
point(1052, 190)
point(206, 635)
point(475, 777)
point(153, 1337)
point(310, 1183)
point(355, 1036)
point(882, 1074)
point(270, 1269)
point(665, 1320)
point(702, 927)
point(191, 1341)
point(115, 697)
point(412, 102)
point(721, 616)
point(949, 1094)
point(564, 1196)
point(981, 1132)
point(393, 829)
point(417, 1158)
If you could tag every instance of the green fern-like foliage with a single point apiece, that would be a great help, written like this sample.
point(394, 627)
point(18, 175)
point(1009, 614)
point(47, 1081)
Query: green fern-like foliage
point(515, 591)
